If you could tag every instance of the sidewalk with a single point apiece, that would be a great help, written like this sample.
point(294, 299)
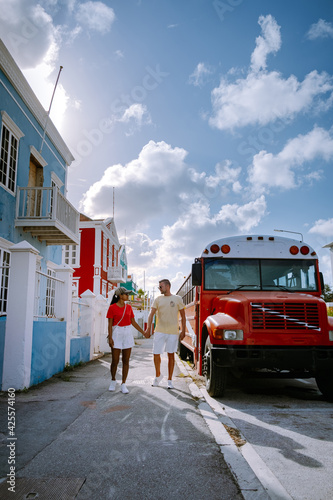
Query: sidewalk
point(77, 440)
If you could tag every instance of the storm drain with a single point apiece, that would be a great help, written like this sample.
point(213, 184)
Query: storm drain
point(61, 488)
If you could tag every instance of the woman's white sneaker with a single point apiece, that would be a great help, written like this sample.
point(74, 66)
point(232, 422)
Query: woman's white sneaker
point(170, 384)
point(113, 385)
point(124, 389)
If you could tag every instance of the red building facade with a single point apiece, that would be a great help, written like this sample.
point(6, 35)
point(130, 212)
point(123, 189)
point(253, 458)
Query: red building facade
point(99, 263)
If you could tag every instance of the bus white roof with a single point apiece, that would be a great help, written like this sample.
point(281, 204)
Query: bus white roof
point(259, 246)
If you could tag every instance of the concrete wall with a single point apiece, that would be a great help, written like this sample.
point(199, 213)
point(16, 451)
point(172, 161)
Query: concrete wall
point(48, 350)
point(80, 350)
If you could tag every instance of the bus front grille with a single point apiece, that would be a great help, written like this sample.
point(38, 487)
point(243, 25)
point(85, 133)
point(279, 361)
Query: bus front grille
point(285, 316)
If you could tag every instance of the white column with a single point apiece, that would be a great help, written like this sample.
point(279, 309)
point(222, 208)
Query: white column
point(101, 307)
point(88, 318)
point(19, 323)
point(63, 303)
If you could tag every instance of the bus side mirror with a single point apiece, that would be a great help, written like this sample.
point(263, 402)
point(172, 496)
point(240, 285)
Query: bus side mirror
point(196, 274)
point(322, 284)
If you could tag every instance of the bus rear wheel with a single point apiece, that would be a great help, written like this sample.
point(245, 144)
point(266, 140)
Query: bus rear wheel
point(183, 352)
point(324, 381)
point(215, 376)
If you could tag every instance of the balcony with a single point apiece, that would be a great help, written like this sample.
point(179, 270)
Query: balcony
point(46, 213)
point(117, 274)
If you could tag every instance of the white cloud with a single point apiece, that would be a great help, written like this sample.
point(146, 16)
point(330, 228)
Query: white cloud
point(171, 200)
point(146, 183)
point(321, 29)
point(263, 97)
point(323, 227)
point(244, 217)
point(280, 171)
point(27, 30)
point(95, 16)
point(200, 75)
point(137, 115)
point(269, 42)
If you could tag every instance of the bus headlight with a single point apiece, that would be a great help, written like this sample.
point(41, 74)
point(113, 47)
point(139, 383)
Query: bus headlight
point(330, 335)
point(233, 334)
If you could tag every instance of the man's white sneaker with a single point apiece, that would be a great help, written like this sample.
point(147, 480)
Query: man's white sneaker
point(170, 384)
point(124, 389)
point(157, 380)
point(113, 385)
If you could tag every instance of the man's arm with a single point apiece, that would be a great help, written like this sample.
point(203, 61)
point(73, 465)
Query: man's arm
point(183, 320)
point(150, 320)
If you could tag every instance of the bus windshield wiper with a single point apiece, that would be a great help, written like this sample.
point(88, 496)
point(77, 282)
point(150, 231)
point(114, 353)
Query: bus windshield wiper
point(281, 287)
point(239, 287)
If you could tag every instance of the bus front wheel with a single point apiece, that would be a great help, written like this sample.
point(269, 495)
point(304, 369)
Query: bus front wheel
point(216, 377)
point(324, 381)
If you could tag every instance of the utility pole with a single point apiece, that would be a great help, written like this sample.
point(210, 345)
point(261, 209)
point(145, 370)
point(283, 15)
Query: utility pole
point(48, 113)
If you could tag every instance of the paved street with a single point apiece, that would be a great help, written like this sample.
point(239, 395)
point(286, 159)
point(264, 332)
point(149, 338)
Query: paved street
point(75, 439)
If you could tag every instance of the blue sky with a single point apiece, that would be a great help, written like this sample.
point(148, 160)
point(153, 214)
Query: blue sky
point(208, 118)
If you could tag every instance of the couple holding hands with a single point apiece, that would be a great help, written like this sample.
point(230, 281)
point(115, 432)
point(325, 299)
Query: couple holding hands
point(167, 308)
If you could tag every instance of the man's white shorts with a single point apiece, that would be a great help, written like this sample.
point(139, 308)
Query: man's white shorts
point(165, 342)
point(123, 337)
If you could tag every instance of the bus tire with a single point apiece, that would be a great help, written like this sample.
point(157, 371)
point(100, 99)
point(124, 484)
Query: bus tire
point(215, 376)
point(324, 380)
point(183, 351)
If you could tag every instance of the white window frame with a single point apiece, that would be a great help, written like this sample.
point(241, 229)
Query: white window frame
point(15, 134)
point(71, 255)
point(105, 252)
point(4, 279)
point(50, 294)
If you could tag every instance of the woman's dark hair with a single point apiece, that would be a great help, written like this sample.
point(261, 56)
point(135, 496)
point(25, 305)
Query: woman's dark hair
point(115, 299)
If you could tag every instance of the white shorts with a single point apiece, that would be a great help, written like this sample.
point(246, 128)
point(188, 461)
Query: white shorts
point(122, 337)
point(165, 342)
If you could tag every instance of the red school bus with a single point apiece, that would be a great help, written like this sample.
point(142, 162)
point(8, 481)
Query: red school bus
point(253, 304)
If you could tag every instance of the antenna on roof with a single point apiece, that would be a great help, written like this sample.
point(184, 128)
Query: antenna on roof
point(285, 231)
point(48, 113)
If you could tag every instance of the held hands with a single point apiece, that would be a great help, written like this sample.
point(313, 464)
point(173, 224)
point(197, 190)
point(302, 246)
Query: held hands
point(147, 334)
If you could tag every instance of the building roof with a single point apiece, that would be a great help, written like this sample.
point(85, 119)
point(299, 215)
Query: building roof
point(18, 81)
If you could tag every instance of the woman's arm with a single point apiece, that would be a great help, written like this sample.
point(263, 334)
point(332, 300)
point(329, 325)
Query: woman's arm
point(150, 320)
point(110, 339)
point(138, 327)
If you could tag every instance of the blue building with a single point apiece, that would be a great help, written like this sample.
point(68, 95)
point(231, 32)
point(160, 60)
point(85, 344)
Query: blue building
point(36, 219)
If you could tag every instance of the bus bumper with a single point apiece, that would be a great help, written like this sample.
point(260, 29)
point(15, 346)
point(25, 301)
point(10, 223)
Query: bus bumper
point(274, 357)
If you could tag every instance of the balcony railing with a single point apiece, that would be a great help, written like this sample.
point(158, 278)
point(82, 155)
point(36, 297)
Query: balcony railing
point(117, 274)
point(47, 214)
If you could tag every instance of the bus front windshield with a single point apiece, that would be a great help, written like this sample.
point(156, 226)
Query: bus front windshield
point(260, 274)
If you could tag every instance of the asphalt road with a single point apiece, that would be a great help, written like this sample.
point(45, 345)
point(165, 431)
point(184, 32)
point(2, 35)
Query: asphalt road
point(285, 432)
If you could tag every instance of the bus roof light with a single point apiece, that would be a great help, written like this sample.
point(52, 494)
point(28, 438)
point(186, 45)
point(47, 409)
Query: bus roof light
point(305, 250)
point(225, 248)
point(293, 250)
point(214, 248)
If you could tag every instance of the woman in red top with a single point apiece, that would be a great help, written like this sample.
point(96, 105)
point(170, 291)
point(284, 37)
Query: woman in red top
point(121, 319)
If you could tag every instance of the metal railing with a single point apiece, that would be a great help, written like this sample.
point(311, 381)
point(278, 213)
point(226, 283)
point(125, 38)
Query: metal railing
point(46, 203)
point(117, 273)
